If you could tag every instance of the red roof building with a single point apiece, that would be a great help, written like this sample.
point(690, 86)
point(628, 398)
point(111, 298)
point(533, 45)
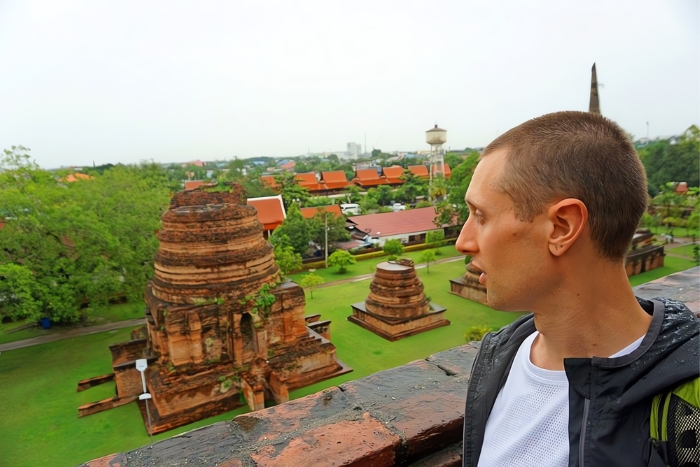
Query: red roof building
point(269, 180)
point(448, 171)
point(368, 178)
point(408, 226)
point(289, 166)
point(308, 213)
point(308, 180)
point(393, 175)
point(335, 180)
point(75, 177)
point(420, 171)
point(271, 211)
point(681, 188)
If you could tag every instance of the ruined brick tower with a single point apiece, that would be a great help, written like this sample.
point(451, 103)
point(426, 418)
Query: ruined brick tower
point(221, 327)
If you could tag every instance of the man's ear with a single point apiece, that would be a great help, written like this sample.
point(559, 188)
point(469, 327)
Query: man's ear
point(568, 218)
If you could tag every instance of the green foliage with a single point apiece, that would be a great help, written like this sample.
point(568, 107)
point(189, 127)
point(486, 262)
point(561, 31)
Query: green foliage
point(17, 299)
point(444, 214)
point(424, 204)
point(311, 281)
point(287, 259)
point(458, 183)
point(370, 201)
point(318, 201)
point(342, 259)
point(476, 333)
point(82, 242)
point(665, 162)
point(427, 257)
point(352, 193)
point(292, 193)
point(435, 238)
point(385, 195)
point(393, 248)
point(294, 232)
point(336, 228)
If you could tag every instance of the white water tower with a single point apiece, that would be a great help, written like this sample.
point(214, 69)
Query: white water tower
point(436, 137)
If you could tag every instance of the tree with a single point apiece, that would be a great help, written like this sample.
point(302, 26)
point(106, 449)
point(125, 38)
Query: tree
point(457, 186)
point(435, 238)
point(342, 259)
point(290, 190)
point(352, 194)
point(294, 232)
point(665, 162)
point(427, 257)
point(323, 220)
point(287, 259)
point(311, 281)
point(385, 195)
point(84, 242)
point(393, 248)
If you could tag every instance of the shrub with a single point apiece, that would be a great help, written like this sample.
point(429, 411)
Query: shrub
point(476, 333)
point(393, 248)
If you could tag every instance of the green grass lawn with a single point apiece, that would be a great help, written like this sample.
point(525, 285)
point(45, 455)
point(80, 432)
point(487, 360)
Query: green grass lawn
point(38, 384)
point(677, 231)
point(368, 266)
point(671, 264)
point(685, 250)
point(110, 314)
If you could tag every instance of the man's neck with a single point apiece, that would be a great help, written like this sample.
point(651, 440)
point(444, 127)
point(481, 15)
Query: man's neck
point(589, 316)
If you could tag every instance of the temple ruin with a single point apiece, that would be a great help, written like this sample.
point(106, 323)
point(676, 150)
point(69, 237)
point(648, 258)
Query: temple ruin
point(222, 328)
point(469, 287)
point(397, 306)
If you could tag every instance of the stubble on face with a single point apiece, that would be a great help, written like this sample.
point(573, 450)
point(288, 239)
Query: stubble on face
point(509, 251)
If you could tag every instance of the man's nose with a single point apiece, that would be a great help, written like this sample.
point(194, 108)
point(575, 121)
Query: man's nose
point(466, 243)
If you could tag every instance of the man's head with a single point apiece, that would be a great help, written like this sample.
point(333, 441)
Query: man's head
point(576, 155)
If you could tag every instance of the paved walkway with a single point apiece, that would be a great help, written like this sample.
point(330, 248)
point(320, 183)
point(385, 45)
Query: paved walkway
point(69, 333)
point(76, 332)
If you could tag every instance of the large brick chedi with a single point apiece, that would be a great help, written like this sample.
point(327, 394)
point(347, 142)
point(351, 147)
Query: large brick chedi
point(397, 306)
point(222, 329)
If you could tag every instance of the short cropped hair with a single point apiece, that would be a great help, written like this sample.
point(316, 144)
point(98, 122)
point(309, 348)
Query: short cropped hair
point(576, 155)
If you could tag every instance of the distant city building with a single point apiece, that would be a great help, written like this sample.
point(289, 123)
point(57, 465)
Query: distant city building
point(353, 150)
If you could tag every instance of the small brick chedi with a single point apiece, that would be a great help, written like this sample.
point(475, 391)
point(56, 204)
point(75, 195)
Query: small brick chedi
point(468, 286)
point(221, 328)
point(397, 306)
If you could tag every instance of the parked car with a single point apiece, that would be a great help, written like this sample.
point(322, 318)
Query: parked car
point(351, 209)
point(398, 207)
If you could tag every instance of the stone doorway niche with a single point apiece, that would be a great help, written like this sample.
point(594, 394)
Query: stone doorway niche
point(248, 337)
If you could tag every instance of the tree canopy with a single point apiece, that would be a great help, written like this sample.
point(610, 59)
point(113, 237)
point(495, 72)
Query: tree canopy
point(81, 243)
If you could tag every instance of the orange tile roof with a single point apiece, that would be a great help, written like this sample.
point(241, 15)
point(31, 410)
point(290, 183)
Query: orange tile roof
point(393, 174)
point(269, 180)
point(334, 180)
point(288, 165)
point(75, 177)
point(448, 172)
point(419, 171)
point(308, 178)
point(197, 163)
point(308, 213)
point(368, 177)
point(395, 223)
point(271, 211)
point(681, 188)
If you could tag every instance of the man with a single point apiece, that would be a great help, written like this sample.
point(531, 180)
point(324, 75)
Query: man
point(553, 205)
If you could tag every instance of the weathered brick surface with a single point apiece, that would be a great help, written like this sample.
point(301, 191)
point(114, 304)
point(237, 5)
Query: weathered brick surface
point(365, 442)
point(393, 417)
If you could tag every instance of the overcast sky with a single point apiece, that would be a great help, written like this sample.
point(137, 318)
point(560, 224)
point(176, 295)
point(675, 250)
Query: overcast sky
point(125, 81)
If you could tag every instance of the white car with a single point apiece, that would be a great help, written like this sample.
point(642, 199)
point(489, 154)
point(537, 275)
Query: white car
point(398, 207)
point(350, 209)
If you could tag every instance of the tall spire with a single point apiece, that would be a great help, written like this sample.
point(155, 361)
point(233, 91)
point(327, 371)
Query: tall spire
point(594, 105)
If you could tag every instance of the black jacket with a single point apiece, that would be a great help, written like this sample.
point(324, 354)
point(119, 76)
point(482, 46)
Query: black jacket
point(609, 398)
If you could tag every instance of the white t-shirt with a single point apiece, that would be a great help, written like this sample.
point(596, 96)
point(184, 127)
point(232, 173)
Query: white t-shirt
point(529, 423)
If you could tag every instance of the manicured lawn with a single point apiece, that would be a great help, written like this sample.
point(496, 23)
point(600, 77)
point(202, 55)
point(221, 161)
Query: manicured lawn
point(671, 264)
point(369, 266)
point(685, 250)
point(38, 384)
point(39, 410)
point(677, 231)
point(110, 314)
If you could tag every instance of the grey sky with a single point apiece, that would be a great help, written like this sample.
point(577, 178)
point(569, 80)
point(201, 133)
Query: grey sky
point(124, 81)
